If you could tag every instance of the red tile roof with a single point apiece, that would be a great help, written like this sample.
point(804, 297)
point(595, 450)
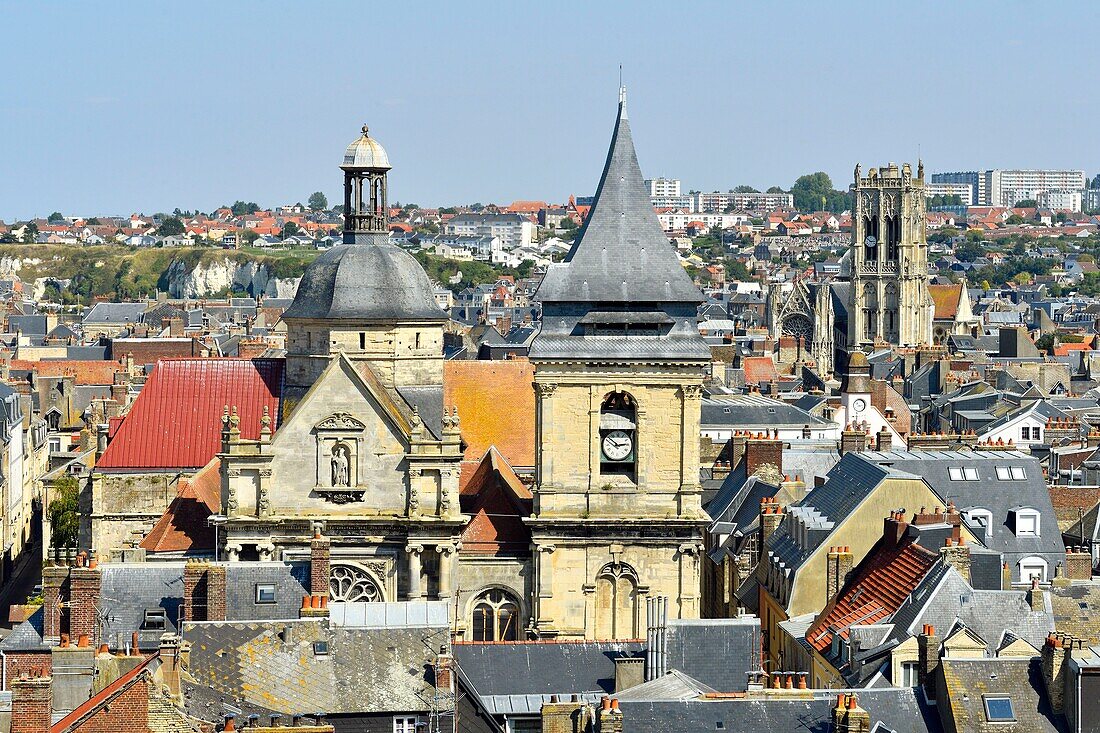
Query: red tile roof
point(183, 525)
point(946, 299)
point(175, 423)
point(759, 370)
point(875, 590)
point(498, 501)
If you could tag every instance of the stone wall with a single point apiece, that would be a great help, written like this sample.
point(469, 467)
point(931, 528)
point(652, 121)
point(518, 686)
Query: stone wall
point(125, 506)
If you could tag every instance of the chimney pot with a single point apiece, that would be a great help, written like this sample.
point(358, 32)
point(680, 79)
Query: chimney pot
point(82, 641)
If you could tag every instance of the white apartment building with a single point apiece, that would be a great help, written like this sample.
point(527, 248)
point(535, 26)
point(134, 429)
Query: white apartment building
point(964, 191)
point(663, 186)
point(677, 221)
point(1006, 187)
point(512, 229)
point(686, 202)
point(717, 201)
point(1062, 200)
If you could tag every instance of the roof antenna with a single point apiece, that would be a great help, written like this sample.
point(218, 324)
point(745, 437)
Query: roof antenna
point(622, 89)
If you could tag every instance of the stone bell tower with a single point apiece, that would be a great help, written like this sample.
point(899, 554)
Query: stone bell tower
point(889, 300)
point(619, 368)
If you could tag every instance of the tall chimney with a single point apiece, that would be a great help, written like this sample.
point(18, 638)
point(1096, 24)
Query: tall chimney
point(215, 592)
point(849, 717)
point(84, 588)
point(838, 566)
point(54, 579)
point(1057, 650)
point(928, 659)
point(761, 451)
point(31, 704)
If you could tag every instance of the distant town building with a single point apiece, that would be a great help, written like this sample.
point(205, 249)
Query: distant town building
point(1090, 200)
point(1003, 187)
point(718, 201)
point(964, 191)
point(513, 230)
point(663, 186)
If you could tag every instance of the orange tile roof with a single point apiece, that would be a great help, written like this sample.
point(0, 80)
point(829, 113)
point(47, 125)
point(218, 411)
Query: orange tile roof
point(759, 369)
point(183, 525)
point(1065, 349)
point(498, 501)
point(875, 590)
point(946, 299)
point(496, 407)
point(85, 372)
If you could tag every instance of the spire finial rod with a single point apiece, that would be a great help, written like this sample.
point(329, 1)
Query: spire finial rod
point(622, 87)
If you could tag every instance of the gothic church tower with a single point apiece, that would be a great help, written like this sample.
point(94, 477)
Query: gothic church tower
point(889, 299)
point(619, 368)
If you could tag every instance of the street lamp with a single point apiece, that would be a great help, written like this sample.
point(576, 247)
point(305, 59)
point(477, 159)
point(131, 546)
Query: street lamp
point(215, 521)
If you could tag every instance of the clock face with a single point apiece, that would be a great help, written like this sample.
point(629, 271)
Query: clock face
point(617, 445)
point(859, 405)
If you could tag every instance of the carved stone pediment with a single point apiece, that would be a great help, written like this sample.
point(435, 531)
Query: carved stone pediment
point(341, 421)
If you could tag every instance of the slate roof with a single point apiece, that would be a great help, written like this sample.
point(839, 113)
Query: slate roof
point(900, 709)
point(275, 666)
point(620, 264)
point(542, 667)
point(621, 254)
point(378, 281)
point(175, 423)
point(968, 681)
point(717, 653)
point(745, 412)
point(115, 313)
point(999, 497)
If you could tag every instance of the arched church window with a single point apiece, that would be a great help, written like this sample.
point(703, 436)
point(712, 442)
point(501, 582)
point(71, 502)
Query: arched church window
point(617, 602)
point(618, 427)
point(890, 314)
point(870, 238)
point(496, 617)
point(893, 237)
point(870, 311)
point(353, 584)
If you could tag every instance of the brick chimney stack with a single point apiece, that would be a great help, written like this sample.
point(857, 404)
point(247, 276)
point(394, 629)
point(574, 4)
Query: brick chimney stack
point(883, 440)
point(894, 527)
point(849, 717)
point(928, 659)
point(771, 516)
point(444, 672)
point(1078, 563)
point(956, 553)
point(54, 579)
point(853, 439)
point(762, 450)
point(838, 566)
point(31, 704)
point(169, 670)
point(1035, 597)
point(85, 582)
point(1057, 650)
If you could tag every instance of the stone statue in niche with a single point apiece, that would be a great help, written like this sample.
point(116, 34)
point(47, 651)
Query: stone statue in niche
point(341, 464)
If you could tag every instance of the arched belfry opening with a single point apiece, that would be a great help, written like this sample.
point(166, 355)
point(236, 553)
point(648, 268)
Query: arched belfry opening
point(618, 434)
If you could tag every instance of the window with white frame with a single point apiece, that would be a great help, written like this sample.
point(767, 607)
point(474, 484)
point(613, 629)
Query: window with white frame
point(1033, 567)
point(980, 521)
point(1011, 473)
point(962, 473)
point(405, 724)
point(1027, 523)
point(908, 674)
point(1025, 432)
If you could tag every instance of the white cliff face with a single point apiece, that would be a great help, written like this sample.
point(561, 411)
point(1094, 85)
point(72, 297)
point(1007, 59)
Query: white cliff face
point(39, 287)
point(207, 279)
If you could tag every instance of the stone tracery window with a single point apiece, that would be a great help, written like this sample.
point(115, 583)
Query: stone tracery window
point(496, 617)
point(350, 583)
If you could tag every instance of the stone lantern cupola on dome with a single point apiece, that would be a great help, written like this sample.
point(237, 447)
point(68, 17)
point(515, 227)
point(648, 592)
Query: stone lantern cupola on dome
point(365, 166)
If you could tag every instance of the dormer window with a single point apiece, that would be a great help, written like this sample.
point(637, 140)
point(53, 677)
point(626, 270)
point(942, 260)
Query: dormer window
point(980, 522)
point(1026, 522)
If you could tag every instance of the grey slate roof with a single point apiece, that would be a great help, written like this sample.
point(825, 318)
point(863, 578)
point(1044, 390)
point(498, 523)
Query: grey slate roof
point(999, 497)
point(718, 653)
point(428, 402)
point(745, 412)
point(117, 313)
point(621, 255)
point(621, 263)
point(375, 281)
point(542, 667)
point(900, 709)
point(969, 680)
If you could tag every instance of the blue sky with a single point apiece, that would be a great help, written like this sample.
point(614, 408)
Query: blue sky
point(125, 106)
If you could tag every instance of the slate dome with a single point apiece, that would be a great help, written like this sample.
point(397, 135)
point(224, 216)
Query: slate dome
point(366, 282)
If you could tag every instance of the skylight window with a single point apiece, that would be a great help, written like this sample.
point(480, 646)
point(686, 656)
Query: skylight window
point(999, 710)
point(960, 473)
point(1010, 473)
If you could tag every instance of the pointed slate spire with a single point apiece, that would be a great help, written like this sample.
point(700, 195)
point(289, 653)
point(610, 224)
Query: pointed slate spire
point(621, 255)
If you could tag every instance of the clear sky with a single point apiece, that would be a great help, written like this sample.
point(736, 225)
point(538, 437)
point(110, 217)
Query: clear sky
point(114, 107)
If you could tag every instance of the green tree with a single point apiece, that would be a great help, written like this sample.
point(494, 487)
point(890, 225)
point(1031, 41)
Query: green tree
point(250, 236)
point(814, 191)
point(317, 201)
point(567, 223)
point(1022, 278)
point(290, 229)
point(171, 226)
point(776, 189)
point(1014, 219)
point(64, 512)
point(93, 220)
point(30, 232)
point(55, 218)
point(744, 189)
point(240, 208)
point(1026, 204)
point(1046, 343)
